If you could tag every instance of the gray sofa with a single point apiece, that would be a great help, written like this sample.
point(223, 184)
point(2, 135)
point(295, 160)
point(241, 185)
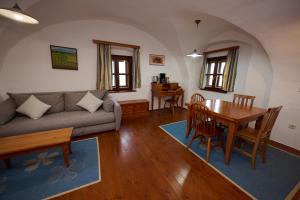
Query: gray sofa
point(63, 113)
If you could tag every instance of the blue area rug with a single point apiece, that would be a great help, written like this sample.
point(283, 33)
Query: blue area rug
point(44, 175)
point(273, 180)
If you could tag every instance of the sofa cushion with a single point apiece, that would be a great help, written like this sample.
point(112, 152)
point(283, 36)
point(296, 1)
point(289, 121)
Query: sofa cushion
point(54, 99)
point(93, 129)
point(72, 98)
point(7, 110)
point(20, 125)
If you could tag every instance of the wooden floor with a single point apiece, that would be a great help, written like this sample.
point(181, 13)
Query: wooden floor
point(142, 162)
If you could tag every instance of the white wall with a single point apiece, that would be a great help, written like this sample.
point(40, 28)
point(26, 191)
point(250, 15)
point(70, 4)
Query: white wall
point(27, 67)
point(285, 91)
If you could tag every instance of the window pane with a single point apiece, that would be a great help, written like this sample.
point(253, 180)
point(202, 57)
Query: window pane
point(122, 66)
point(113, 67)
point(122, 81)
point(222, 68)
point(207, 68)
point(212, 68)
point(220, 81)
point(209, 80)
point(113, 80)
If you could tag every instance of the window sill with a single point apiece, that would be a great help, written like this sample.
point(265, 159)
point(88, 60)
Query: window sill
point(214, 90)
point(121, 91)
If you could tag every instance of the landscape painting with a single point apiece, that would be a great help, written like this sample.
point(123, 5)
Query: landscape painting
point(156, 59)
point(64, 58)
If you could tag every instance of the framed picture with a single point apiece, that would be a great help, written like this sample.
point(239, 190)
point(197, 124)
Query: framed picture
point(64, 58)
point(156, 59)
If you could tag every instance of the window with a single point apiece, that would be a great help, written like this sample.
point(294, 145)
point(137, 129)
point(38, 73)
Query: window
point(121, 72)
point(214, 74)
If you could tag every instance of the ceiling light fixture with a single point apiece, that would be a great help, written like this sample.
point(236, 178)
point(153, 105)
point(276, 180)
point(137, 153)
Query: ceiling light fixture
point(17, 14)
point(194, 53)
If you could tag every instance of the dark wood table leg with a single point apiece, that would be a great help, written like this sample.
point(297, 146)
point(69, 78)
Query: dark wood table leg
point(232, 128)
point(7, 163)
point(152, 101)
point(65, 148)
point(159, 102)
point(70, 148)
point(182, 99)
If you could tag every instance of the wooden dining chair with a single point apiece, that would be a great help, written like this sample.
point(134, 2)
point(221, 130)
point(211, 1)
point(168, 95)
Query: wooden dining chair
point(204, 125)
point(258, 138)
point(243, 100)
point(197, 98)
point(173, 101)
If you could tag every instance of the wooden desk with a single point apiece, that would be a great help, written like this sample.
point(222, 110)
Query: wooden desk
point(161, 90)
point(231, 115)
point(14, 145)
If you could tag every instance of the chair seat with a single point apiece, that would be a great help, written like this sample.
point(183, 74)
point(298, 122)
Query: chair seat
point(249, 134)
point(76, 119)
point(218, 131)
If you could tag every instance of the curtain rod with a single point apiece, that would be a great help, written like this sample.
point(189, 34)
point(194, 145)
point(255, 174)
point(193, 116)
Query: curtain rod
point(224, 49)
point(116, 44)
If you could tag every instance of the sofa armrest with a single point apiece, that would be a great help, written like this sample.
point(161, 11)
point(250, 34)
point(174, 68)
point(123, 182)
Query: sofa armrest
point(118, 114)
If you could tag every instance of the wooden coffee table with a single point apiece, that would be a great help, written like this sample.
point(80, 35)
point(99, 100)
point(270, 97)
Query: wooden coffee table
point(14, 145)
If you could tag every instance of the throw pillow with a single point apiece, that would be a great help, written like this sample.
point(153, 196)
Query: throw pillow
point(90, 102)
point(7, 110)
point(33, 108)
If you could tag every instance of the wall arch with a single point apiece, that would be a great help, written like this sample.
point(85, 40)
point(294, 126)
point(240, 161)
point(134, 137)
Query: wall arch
point(27, 66)
point(254, 68)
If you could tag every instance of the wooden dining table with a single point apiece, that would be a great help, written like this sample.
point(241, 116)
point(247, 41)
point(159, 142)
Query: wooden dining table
point(231, 115)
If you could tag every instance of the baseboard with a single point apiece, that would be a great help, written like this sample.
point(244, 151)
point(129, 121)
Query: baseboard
point(284, 147)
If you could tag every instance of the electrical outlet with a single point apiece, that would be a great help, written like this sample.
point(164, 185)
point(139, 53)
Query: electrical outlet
point(292, 126)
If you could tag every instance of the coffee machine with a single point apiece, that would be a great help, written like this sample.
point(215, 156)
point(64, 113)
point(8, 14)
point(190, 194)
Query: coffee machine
point(162, 78)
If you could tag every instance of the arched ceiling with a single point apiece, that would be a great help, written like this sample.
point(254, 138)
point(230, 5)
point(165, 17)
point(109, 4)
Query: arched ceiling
point(275, 23)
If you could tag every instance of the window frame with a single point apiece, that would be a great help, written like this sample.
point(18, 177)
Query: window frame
point(116, 59)
point(218, 61)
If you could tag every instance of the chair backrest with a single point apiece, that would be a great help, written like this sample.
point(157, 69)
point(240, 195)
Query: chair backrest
point(243, 100)
point(203, 121)
point(197, 98)
point(269, 121)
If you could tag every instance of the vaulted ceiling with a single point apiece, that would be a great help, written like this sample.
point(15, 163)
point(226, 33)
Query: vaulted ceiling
point(275, 23)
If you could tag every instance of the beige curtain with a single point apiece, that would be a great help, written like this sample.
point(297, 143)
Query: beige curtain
point(202, 73)
point(104, 67)
point(136, 69)
point(230, 70)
